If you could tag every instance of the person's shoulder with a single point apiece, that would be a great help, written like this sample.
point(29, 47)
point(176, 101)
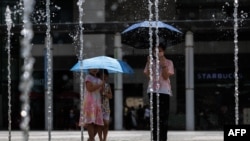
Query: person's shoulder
point(169, 60)
point(88, 77)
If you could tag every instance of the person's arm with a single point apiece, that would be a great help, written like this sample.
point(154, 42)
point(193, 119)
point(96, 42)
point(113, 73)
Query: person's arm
point(166, 68)
point(146, 70)
point(93, 87)
point(109, 93)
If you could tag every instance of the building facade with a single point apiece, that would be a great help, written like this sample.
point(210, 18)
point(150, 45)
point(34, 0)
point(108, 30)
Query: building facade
point(211, 22)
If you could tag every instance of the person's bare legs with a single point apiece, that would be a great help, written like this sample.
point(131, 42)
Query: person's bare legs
point(105, 130)
point(91, 131)
point(98, 130)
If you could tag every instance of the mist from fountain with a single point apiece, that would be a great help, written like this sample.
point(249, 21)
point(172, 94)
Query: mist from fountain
point(80, 58)
point(9, 24)
point(236, 67)
point(26, 82)
point(150, 4)
point(49, 80)
point(151, 16)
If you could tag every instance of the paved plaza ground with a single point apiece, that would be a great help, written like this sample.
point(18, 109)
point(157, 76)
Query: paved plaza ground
point(114, 136)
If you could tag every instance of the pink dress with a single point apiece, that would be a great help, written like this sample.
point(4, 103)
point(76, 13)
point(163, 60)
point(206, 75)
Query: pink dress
point(92, 109)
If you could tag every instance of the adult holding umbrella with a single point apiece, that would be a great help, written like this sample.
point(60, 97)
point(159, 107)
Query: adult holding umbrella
point(158, 68)
point(159, 90)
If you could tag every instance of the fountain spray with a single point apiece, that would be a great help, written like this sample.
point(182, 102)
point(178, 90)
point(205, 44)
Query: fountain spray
point(236, 50)
point(80, 58)
point(26, 78)
point(9, 24)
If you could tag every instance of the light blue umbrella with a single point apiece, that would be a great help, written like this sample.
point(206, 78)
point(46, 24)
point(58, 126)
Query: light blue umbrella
point(153, 24)
point(137, 35)
point(103, 62)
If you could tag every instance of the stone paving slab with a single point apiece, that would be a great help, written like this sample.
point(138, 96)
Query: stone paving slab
point(114, 136)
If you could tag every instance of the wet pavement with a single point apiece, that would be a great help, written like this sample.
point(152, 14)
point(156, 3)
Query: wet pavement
point(114, 136)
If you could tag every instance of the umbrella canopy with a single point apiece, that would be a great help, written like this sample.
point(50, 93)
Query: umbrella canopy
point(103, 62)
point(137, 35)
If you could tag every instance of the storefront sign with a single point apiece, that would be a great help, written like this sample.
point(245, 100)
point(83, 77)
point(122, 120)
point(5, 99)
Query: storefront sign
point(216, 76)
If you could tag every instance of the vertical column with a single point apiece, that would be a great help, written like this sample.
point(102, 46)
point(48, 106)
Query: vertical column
point(1, 112)
point(189, 64)
point(118, 95)
point(1, 80)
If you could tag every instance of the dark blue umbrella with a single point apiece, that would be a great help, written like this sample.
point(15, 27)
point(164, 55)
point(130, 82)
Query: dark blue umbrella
point(103, 62)
point(137, 35)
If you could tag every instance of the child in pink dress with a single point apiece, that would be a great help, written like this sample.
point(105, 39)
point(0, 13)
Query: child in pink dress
point(92, 108)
